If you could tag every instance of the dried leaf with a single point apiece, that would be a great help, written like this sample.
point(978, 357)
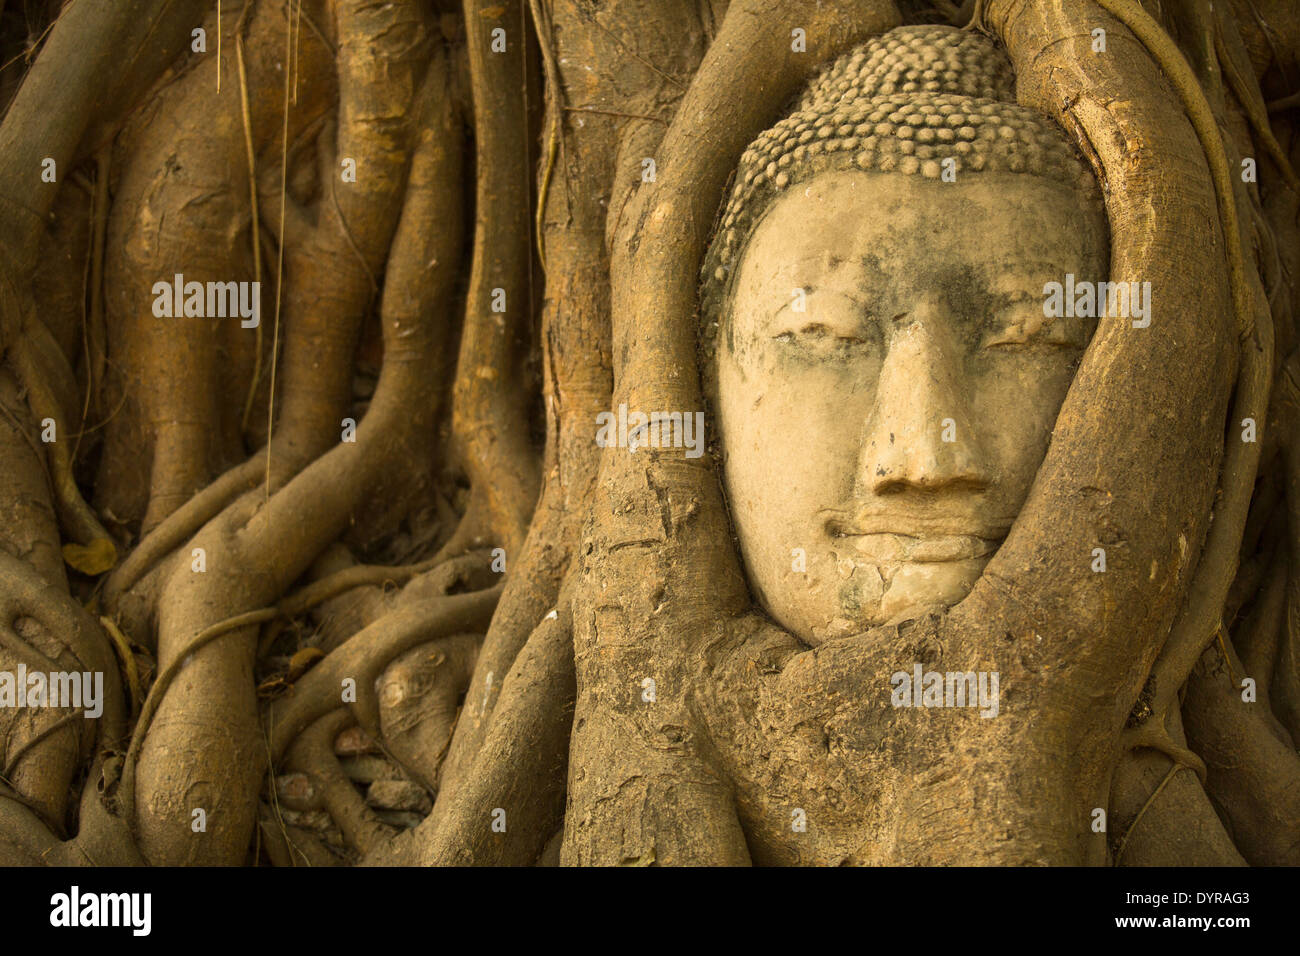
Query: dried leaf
point(302, 661)
point(95, 558)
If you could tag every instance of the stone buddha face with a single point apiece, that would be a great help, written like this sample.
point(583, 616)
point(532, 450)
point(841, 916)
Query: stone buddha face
point(886, 384)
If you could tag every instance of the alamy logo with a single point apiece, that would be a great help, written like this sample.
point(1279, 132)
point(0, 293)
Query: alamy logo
point(1092, 300)
point(923, 688)
point(633, 430)
point(216, 300)
point(102, 909)
point(59, 689)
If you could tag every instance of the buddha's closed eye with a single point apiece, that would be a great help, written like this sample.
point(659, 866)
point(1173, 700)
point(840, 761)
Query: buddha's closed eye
point(826, 321)
point(1016, 322)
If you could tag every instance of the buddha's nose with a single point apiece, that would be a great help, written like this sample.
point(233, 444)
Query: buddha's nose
point(919, 434)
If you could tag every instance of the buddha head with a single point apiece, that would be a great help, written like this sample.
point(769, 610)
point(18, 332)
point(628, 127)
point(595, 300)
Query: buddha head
point(883, 375)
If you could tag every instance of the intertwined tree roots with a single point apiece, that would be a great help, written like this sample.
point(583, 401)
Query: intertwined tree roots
point(364, 588)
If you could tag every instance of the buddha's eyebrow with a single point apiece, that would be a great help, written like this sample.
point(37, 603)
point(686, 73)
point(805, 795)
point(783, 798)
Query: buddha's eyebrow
point(1004, 299)
point(1029, 273)
point(867, 260)
point(825, 257)
point(781, 304)
point(796, 272)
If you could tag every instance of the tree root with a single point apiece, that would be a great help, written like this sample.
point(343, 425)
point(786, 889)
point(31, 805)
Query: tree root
point(1253, 768)
point(490, 406)
point(520, 767)
point(313, 752)
point(365, 656)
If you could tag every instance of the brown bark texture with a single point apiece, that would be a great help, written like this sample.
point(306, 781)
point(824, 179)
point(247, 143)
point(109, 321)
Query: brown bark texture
point(364, 587)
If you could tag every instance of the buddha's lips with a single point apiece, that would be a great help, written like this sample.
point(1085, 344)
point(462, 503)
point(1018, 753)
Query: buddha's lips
point(919, 548)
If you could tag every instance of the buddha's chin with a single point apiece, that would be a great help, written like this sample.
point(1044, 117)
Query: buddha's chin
point(891, 595)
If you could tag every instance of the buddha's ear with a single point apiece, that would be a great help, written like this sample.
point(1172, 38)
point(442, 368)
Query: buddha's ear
point(1157, 153)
